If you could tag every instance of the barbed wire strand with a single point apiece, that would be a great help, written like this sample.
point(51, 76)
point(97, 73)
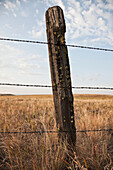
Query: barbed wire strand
point(77, 46)
point(69, 45)
point(49, 86)
point(63, 131)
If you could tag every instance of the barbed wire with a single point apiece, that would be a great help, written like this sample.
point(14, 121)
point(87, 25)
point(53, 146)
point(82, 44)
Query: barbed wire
point(28, 85)
point(24, 85)
point(69, 45)
point(61, 131)
point(49, 86)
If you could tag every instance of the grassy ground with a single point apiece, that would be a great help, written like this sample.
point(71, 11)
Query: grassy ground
point(44, 151)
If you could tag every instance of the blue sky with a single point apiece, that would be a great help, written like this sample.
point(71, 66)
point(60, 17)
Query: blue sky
point(88, 23)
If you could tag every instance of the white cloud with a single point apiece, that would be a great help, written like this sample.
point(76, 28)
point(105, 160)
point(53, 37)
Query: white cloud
point(9, 5)
point(108, 5)
point(37, 12)
point(60, 3)
point(92, 77)
point(7, 56)
point(89, 19)
point(40, 23)
point(37, 30)
point(8, 26)
point(34, 56)
point(27, 64)
point(37, 34)
point(18, 2)
point(88, 78)
point(7, 49)
point(25, 0)
point(24, 14)
point(6, 13)
point(15, 62)
point(3, 76)
point(12, 6)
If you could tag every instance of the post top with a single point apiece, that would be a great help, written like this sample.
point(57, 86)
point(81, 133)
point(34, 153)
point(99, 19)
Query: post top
point(53, 7)
point(55, 19)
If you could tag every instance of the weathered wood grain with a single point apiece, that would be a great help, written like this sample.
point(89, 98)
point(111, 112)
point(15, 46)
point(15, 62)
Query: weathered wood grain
point(60, 71)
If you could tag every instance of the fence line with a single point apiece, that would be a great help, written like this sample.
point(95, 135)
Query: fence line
point(69, 45)
point(28, 85)
point(64, 131)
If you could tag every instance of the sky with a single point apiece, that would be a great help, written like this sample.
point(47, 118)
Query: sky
point(88, 23)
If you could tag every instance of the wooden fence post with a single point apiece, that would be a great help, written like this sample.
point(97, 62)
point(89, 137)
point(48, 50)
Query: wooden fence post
point(60, 73)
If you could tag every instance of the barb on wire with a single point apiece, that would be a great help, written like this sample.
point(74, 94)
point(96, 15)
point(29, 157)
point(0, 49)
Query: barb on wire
point(61, 131)
point(69, 45)
point(28, 85)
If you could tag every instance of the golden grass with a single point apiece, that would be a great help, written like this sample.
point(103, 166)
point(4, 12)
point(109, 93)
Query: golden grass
point(44, 151)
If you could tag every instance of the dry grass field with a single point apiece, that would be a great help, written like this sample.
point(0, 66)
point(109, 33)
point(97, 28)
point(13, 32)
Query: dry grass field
point(43, 151)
